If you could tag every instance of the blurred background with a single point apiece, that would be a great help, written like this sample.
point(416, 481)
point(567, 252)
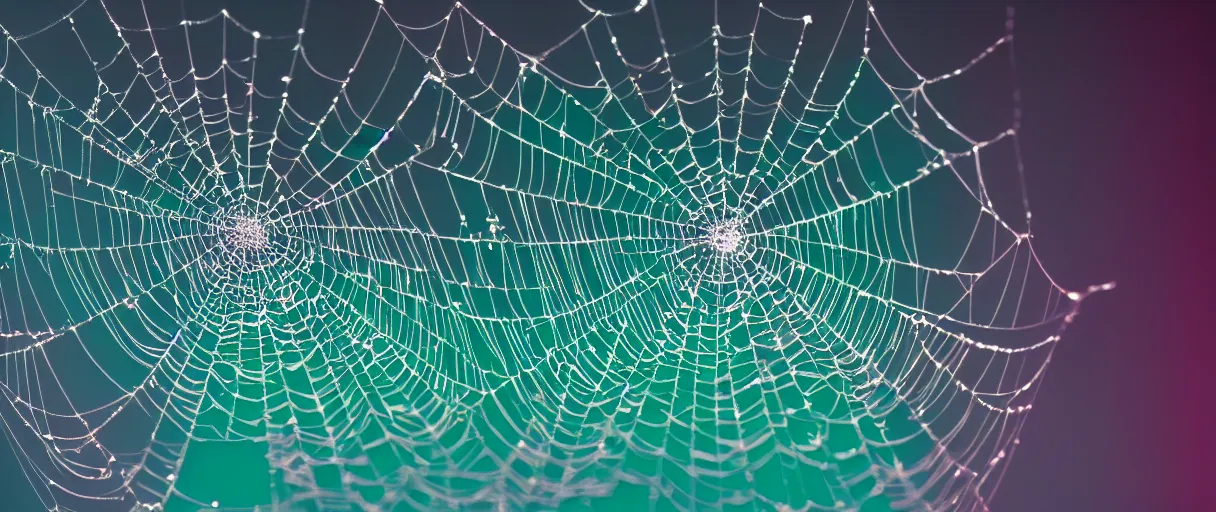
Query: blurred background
point(1117, 137)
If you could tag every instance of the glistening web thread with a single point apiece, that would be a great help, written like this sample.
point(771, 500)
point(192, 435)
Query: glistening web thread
point(746, 262)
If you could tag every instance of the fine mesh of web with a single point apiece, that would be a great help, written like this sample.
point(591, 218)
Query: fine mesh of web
point(437, 272)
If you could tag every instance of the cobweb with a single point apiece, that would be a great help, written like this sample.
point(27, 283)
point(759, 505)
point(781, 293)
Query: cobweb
point(380, 259)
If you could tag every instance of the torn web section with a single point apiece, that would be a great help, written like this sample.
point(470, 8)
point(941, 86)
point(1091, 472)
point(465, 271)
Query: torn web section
point(982, 310)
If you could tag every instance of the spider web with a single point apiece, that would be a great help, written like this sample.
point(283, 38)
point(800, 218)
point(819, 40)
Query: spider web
point(398, 263)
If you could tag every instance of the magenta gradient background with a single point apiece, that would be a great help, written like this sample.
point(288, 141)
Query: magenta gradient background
point(1119, 137)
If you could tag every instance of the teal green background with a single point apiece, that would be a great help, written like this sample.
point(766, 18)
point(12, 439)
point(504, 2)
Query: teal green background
point(246, 480)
